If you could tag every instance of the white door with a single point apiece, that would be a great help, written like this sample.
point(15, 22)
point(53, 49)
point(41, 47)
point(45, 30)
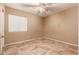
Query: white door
point(1, 27)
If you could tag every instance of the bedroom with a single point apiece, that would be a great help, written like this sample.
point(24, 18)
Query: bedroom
point(39, 29)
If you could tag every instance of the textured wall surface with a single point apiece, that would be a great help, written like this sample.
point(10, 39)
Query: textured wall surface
point(34, 27)
point(63, 25)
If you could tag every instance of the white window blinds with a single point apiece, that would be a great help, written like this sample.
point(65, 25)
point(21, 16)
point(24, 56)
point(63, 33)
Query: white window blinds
point(17, 23)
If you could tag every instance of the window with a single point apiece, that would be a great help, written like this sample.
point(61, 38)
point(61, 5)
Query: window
point(17, 23)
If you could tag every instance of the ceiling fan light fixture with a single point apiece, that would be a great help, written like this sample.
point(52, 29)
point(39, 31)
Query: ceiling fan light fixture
point(42, 10)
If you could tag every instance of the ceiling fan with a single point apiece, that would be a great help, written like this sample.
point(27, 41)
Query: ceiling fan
point(42, 8)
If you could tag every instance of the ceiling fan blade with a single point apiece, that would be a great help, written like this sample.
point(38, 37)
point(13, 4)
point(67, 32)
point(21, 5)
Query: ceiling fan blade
point(36, 4)
point(31, 5)
point(51, 8)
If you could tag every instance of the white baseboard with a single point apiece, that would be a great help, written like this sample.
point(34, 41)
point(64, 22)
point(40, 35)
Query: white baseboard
point(22, 41)
point(41, 38)
point(60, 41)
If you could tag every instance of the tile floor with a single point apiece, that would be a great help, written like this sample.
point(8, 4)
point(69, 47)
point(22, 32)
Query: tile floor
point(41, 47)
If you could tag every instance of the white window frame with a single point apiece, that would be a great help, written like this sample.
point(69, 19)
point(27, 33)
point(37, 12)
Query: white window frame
point(17, 23)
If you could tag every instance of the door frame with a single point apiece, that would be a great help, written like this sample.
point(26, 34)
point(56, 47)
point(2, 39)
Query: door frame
point(2, 14)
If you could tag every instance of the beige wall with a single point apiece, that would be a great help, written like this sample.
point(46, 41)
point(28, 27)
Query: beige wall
point(34, 27)
point(63, 25)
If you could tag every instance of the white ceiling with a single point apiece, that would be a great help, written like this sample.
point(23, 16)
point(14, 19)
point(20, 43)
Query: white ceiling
point(34, 8)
